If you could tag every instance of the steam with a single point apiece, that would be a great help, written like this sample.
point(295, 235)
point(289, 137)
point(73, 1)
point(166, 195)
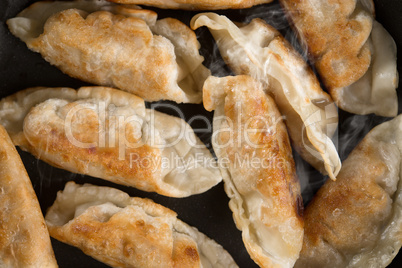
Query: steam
point(310, 179)
point(273, 14)
point(353, 128)
point(210, 51)
point(301, 48)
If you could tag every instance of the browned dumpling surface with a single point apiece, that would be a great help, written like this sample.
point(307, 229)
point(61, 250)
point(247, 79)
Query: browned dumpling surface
point(259, 50)
point(353, 54)
point(24, 238)
point(109, 134)
point(110, 45)
point(124, 231)
point(255, 158)
point(196, 4)
point(356, 221)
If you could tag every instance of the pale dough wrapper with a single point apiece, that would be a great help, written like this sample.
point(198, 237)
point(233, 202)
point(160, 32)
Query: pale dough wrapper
point(24, 238)
point(356, 221)
point(124, 231)
point(118, 46)
point(109, 134)
point(196, 4)
point(353, 54)
point(258, 50)
point(256, 161)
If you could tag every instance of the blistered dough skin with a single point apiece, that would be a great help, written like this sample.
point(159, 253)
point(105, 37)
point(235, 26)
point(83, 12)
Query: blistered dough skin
point(24, 238)
point(124, 231)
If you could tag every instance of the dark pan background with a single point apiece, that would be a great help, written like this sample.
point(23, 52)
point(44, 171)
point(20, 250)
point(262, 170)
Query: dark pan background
point(209, 212)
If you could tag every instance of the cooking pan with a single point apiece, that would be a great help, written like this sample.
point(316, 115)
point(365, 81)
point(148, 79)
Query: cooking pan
point(209, 212)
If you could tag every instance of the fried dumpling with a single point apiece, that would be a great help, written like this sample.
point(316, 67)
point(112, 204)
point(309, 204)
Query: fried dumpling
point(196, 4)
point(124, 231)
point(109, 134)
point(255, 157)
point(356, 221)
point(258, 50)
point(118, 46)
point(353, 54)
point(24, 238)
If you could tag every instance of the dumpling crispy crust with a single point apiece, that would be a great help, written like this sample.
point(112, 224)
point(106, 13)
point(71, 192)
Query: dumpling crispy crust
point(196, 4)
point(116, 46)
point(256, 160)
point(346, 25)
point(24, 238)
point(353, 54)
point(80, 152)
point(109, 134)
point(111, 50)
point(125, 231)
point(356, 221)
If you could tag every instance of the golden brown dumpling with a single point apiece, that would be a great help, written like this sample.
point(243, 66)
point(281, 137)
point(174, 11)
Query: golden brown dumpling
point(256, 162)
point(124, 231)
point(356, 221)
point(24, 238)
point(109, 134)
point(117, 46)
point(353, 54)
point(258, 50)
point(196, 4)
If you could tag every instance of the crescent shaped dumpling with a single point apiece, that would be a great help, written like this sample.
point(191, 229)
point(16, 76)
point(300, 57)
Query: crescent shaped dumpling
point(122, 231)
point(353, 54)
point(24, 238)
point(109, 134)
point(196, 4)
point(356, 221)
point(118, 46)
point(257, 166)
point(258, 50)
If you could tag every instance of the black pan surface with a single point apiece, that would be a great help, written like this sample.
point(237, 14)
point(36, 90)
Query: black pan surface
point(209, 212)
